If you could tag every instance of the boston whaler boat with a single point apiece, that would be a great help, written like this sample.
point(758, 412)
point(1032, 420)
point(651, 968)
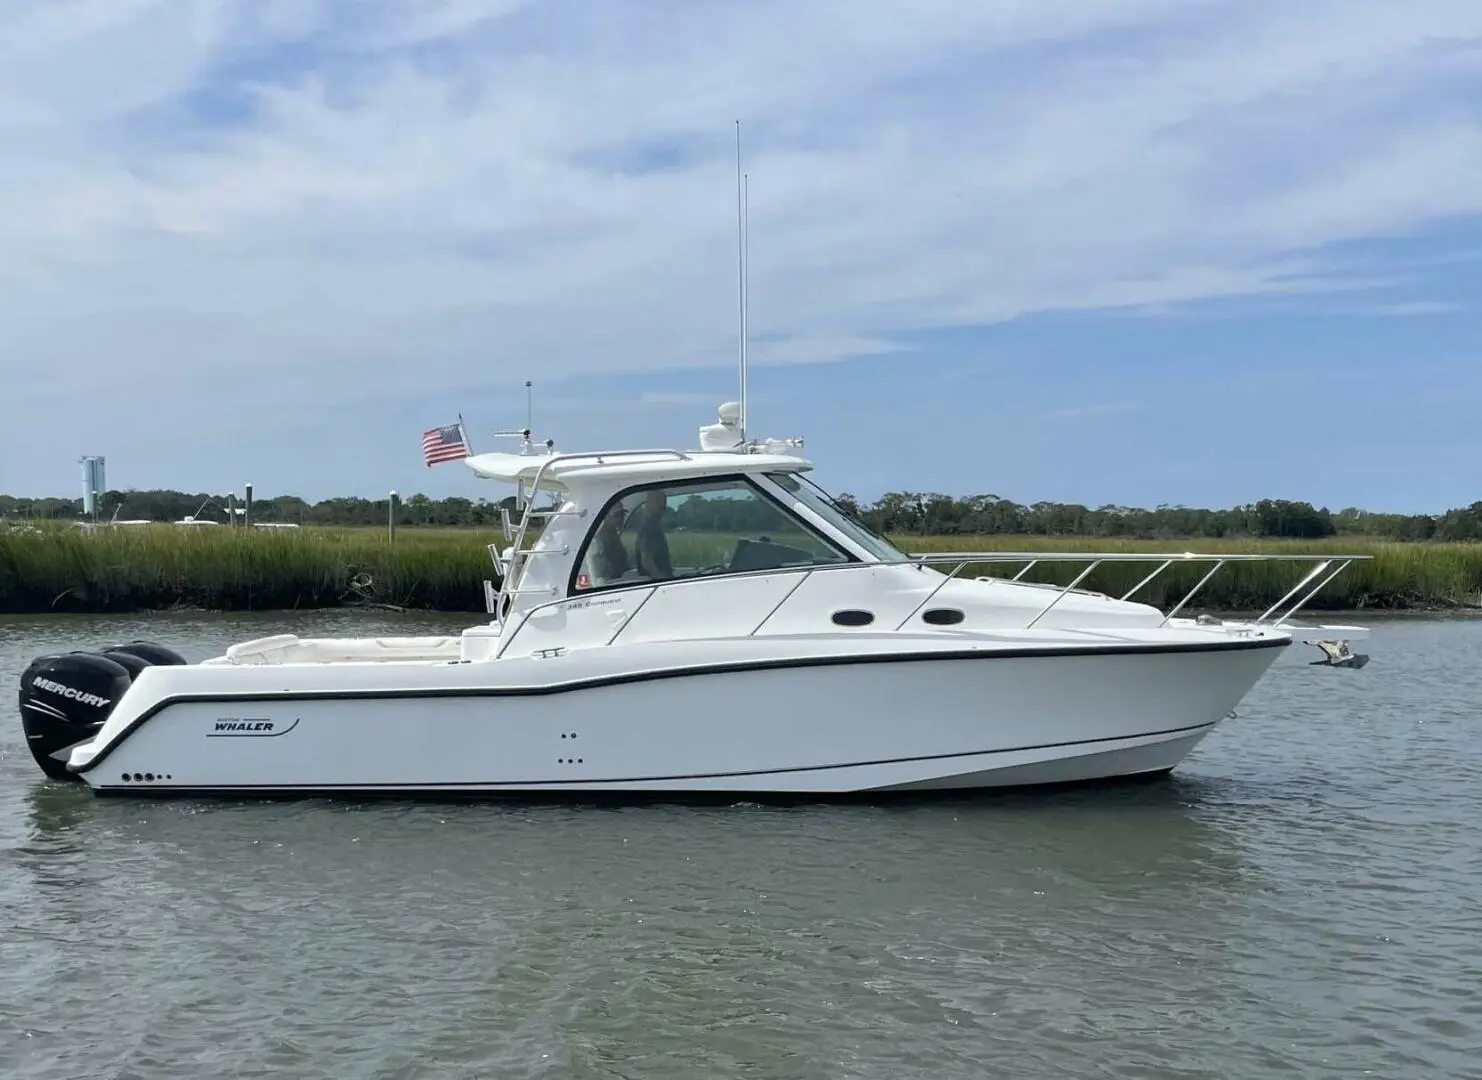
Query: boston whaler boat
point(687, 621)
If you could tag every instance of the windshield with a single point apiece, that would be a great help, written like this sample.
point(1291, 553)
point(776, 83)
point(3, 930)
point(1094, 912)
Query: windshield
point(822, 503)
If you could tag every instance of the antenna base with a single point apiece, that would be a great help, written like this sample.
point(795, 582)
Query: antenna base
point(526, 445)
point(728, 433)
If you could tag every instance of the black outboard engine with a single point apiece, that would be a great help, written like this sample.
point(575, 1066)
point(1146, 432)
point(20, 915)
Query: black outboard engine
point(149, 652)
point(66, 697)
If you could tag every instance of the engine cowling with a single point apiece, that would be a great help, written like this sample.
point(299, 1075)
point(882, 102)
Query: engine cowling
point(127, 660)
point(149, 652)
point(65, 698)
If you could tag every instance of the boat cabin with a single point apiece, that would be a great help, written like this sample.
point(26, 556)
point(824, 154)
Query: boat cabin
point(636, 517)
point(658, 545)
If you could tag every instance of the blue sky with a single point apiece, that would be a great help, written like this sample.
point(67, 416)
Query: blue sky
point(1106, 251)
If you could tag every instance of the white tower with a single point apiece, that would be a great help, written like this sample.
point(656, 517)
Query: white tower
point(93, 484)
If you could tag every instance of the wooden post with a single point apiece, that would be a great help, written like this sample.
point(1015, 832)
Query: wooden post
point(391, 519)
point(247, 518)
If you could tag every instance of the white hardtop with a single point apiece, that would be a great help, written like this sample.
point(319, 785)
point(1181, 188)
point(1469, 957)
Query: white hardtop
point(723, 451)
point(601, 467)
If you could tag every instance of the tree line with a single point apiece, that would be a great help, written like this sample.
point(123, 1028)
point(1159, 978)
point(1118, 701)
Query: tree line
point(933, 514)
point(899, 512)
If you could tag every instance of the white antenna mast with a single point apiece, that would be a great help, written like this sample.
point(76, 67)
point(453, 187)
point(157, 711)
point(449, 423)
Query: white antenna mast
point(741, 208)
point(526, 433)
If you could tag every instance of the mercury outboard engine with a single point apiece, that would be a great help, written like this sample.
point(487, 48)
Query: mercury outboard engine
point(149, 652)
point(66, 697)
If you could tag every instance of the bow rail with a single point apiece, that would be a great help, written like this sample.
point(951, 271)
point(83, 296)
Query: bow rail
point(1324, 572)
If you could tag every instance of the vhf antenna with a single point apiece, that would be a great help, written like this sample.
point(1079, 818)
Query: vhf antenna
point(526, 433)
point(742, 206)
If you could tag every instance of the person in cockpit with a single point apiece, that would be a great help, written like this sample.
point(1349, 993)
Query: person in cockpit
point(609, 556)
point(650, 545)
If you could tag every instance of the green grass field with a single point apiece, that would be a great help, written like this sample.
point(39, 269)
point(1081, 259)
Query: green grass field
point(163, 566)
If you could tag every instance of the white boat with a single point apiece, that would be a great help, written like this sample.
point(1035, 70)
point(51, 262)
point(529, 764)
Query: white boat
point(688, 621)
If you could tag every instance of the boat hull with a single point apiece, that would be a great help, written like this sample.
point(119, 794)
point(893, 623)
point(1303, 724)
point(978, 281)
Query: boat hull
point(943, 720)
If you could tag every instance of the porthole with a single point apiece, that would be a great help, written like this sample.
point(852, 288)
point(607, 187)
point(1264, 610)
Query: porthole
point(853, 617)
point(942, 616)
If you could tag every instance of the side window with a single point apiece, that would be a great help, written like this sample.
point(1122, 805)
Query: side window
point(693, 530)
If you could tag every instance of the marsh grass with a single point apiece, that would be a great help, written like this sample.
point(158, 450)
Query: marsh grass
point(1399, 575)
point(163, 566)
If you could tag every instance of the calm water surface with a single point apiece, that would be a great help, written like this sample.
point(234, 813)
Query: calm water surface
point(1300, 900)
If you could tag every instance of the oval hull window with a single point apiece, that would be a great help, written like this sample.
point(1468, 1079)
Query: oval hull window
point(942, 617)
point(853, 617)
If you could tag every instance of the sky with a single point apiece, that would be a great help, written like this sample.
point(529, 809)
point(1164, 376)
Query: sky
point(1136, 252)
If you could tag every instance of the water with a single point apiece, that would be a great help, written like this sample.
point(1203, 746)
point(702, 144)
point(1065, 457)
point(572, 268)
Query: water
point(1300, 900)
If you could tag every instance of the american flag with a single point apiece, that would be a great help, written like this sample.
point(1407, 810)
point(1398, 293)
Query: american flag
point(444, 444)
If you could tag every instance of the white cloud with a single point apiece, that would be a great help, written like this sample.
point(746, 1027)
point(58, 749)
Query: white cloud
point(643, 402)
point(1085, 412)
point(310, 199)
point(1403, 309)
